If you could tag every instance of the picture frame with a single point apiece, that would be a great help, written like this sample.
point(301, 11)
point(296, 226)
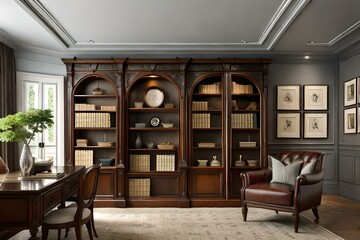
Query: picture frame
point(315, 125)
point(288, 97)
point(350, 120)
point(358, 90)
point(288, 125)
point(350, 92)
point(358, 119)
point(315, 97)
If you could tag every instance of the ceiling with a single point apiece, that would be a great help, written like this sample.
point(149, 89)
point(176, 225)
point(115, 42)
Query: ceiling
point(211, 28)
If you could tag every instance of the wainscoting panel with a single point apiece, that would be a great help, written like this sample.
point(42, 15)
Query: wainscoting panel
point(349, 171)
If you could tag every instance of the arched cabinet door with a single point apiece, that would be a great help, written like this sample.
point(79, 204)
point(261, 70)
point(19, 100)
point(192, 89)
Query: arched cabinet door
point(206, 137)
point(95, 122)
point(153, 144)
point(246, 129)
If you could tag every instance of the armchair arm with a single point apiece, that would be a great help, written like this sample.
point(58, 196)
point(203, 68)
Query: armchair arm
point(310, 178)
point(252, 177)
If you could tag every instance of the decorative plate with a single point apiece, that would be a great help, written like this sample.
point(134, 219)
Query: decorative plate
point(154, 97)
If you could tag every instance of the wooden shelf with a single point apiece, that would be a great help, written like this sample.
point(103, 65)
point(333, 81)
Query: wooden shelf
point(96, 96)
point(165, 110)
point(152, 129)
point(96, 129)
point(94, 147)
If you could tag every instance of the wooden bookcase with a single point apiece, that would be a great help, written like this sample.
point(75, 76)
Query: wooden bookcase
point(217, 109)
point(94, 119)
point(152, 173)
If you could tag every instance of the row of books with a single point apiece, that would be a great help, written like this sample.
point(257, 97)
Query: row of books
point(139, 162)
point(92, 120)
point(210, 88)
point(139, 187)
point(91, 107)
point(199, 105)
point(244, 120)
point(242, 88)
point(84, 157)
point(165, 162)
point(84, 106)
point(201, 120)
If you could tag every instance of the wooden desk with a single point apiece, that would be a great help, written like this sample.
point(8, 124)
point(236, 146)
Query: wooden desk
point(23, 203)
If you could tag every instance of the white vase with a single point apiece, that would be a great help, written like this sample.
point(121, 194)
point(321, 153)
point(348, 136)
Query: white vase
point(26, 160)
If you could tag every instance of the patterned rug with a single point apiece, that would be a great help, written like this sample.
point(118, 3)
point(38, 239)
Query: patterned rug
point(196, 224)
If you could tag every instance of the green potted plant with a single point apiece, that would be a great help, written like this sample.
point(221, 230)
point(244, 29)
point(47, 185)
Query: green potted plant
point(22, 127)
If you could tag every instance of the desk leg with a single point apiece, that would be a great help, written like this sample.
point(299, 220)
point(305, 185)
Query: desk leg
point(34, 229)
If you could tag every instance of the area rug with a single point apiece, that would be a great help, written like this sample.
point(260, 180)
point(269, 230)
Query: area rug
point(196, 224)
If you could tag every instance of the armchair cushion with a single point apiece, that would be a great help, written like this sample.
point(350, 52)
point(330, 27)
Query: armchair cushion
point(308, 168)
point(275, 193)
point(284, 173)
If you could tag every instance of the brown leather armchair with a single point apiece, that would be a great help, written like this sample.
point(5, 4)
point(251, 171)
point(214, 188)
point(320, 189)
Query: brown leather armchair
point(258, 190)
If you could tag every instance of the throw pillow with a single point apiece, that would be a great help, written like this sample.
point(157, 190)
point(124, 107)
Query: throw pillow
point(284, 173)
point(309, 168)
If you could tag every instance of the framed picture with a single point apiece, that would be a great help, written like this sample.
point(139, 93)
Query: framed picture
point(358, 120)
point(315, 125)
point(288, 97)
point(350, 92)
point(350, 120)
point(315, 97)
point(358, 89)
point(288, 125)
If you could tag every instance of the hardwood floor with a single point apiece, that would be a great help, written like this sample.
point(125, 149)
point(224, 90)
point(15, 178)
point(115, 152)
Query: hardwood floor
point(339, 215)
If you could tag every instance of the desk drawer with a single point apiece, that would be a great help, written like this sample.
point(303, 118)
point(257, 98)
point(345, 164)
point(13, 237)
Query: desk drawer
point(51, 199)
point(71, 187)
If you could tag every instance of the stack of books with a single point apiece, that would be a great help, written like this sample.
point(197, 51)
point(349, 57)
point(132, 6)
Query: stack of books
point(84, 106)
point(165, 162)
point(92, 120)
point(201, 120)
point(139, 187)
point(243, 120)
point(241, 88)
point(199, 105)
point(84, 157)
point(214, 88)
point(81, 142)
point(140, 163)
point(108, 108)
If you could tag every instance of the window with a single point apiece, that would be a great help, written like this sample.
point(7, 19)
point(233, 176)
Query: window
point(44, 92)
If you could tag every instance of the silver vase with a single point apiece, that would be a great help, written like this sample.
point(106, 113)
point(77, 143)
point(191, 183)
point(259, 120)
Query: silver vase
point(26, 160)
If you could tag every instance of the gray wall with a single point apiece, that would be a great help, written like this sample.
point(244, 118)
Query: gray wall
point(349, 144)
point(303, 72)
point(39, 63)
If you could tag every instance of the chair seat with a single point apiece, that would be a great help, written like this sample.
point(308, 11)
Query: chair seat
point(64, 215)
point(273, 193)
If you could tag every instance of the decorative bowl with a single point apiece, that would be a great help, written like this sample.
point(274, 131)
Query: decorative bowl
point(252, 162)
point(105, 144)
point(42, 165)
point(140, 125)
point(107, 161)
point(165, 146)
point(167, 125)
point(240, 163)
point(202, 163)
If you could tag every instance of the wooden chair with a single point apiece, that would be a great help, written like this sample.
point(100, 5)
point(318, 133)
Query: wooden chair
point(259, 189)
point(73, 199)
point(68, 217)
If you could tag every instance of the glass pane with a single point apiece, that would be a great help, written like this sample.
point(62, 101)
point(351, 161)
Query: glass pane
point(32, 101)
point(50, 153)
point(31, 95)
point(49, 102)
